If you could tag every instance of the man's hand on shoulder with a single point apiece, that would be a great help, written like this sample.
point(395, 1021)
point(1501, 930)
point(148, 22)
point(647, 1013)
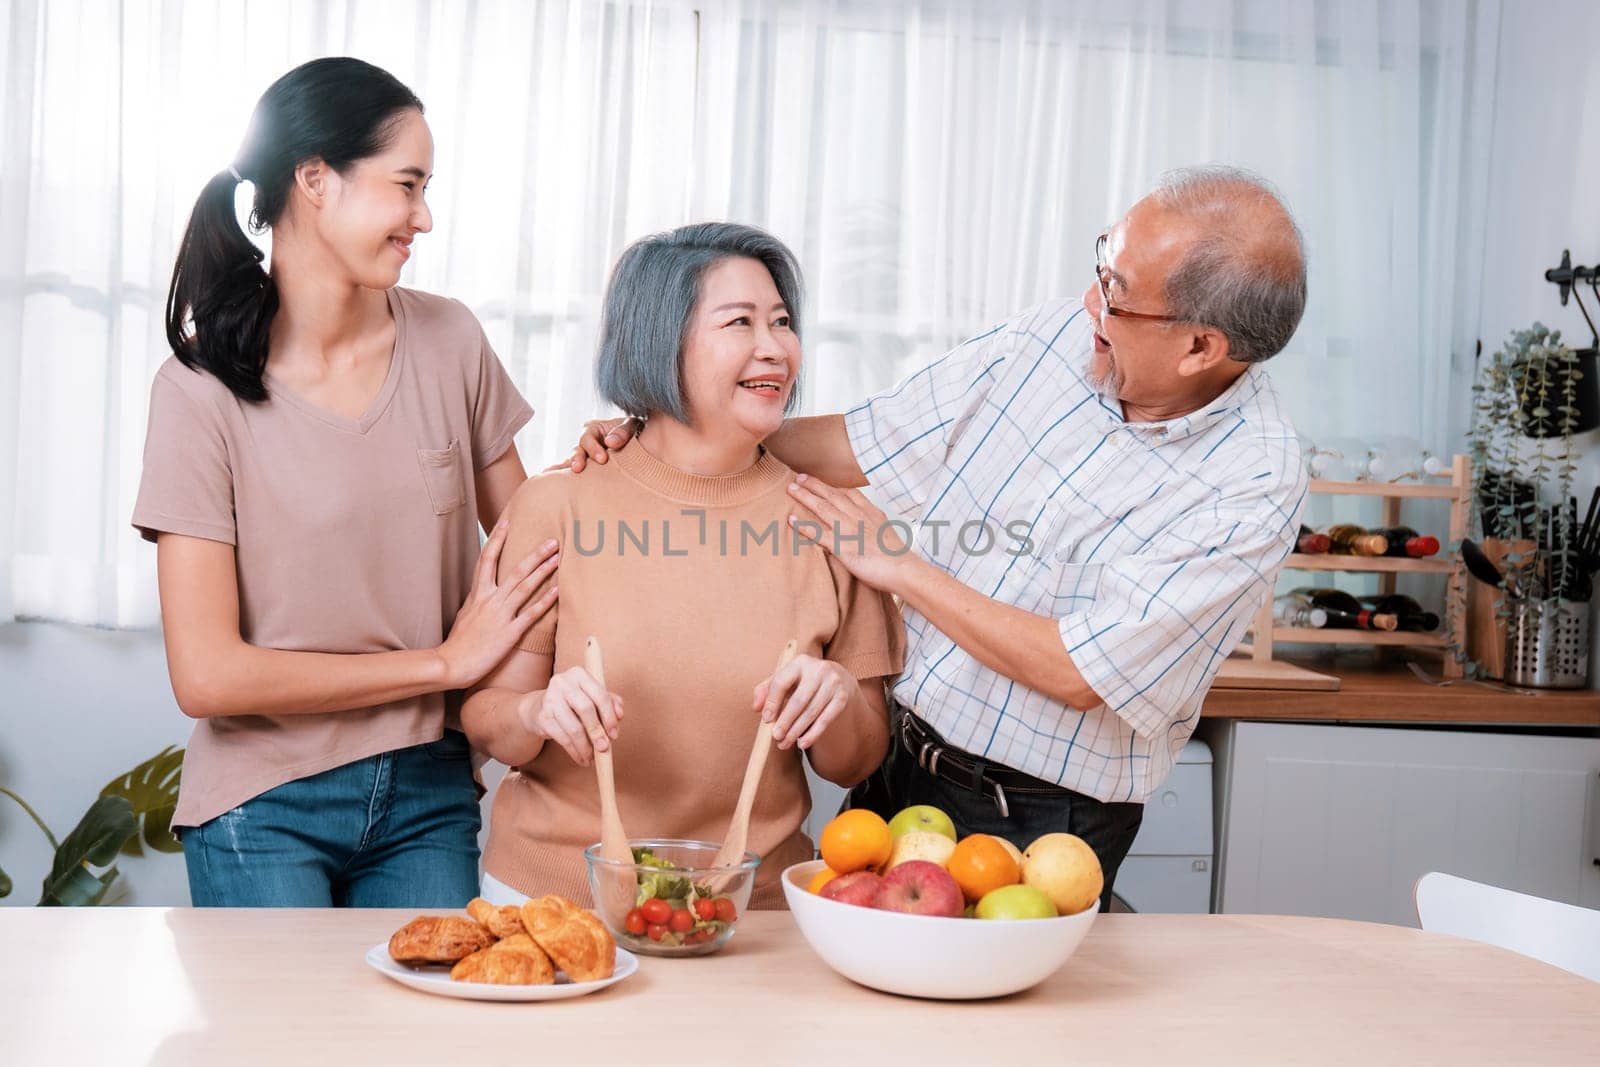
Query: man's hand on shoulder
point(599, 439)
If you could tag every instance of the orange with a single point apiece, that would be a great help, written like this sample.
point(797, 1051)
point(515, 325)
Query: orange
point(982, 863)
point(820, 879)
point(855, 840)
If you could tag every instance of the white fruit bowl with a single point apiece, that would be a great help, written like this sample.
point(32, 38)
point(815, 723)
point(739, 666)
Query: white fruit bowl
point(923, 956)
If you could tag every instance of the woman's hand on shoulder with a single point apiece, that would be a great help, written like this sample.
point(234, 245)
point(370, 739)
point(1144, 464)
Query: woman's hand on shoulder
point(804, 698)
point(576, 712)
point(497, 614)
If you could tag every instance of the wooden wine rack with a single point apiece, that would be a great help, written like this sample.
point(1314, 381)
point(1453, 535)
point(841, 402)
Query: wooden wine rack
point(1456, 487)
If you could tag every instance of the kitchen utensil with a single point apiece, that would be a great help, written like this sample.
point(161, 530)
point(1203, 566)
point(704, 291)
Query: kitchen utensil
point(1480, 566)
point(1589, 537)
point(1547, 644)
point(614, 897)
point(733, 846)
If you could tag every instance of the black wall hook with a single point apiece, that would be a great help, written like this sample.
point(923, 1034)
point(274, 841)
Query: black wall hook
point(1566, 276)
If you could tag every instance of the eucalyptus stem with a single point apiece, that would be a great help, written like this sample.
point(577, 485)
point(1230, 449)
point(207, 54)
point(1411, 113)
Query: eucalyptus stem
point(54, 844)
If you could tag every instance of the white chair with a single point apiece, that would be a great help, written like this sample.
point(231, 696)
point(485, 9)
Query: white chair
point(1564, 935)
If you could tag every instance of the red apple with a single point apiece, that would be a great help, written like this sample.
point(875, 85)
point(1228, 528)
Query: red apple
point(857, 887)
point(918, 887)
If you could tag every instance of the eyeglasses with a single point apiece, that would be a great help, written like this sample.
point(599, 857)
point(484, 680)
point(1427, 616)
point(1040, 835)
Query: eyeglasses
point(1100, 273)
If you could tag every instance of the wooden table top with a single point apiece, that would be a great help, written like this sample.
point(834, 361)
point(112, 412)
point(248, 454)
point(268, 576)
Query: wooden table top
point(220, 987)
point(1390, 693)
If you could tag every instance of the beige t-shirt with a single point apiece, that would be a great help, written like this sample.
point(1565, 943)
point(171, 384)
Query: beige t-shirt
point(692, 586)
point(351, 535)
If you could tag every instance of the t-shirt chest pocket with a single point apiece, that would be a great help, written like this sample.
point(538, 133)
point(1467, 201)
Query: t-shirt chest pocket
point(444, 477)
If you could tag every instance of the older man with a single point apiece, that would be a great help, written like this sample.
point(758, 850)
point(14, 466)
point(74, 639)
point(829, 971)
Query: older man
point(1104, 489)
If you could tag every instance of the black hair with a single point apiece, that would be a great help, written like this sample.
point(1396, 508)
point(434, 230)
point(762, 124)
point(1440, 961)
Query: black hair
point(221, 303)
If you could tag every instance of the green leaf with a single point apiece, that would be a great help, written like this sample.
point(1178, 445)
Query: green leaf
point(94, 842)
point(5, 884)
point(151, 789)
point(37, 821)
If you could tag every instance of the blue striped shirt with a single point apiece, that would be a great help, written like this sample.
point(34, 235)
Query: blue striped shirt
point(1152, 543)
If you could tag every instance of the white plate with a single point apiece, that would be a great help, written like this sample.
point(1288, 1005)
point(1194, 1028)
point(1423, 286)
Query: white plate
point(437, 980)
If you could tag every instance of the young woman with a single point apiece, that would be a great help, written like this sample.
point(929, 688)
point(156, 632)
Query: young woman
point(321, 451)
point(700, 337)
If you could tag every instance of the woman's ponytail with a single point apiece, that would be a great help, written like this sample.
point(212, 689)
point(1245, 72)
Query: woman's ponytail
point(221, 303)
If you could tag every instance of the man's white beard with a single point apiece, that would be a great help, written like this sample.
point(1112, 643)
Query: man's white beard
point(1102, 372)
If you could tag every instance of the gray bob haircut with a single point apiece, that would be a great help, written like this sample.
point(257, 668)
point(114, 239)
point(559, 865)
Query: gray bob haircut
point(651, 298)
point(1246, 274)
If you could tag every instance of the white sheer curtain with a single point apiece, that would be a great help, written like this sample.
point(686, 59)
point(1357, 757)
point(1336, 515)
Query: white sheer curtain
point(936, 165)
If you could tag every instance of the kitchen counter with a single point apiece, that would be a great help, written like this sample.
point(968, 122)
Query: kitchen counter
point(1374, 692)
point(211, 987)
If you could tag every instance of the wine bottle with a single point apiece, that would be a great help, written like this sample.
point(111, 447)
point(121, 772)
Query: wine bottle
point(1407, 612)
point(1404, 541)
point(1291, 610)
point(1345, 611)
point(1312, 543)
point(1351, 540)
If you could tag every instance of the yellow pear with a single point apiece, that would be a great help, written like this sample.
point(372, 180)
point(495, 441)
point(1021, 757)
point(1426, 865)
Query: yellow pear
point(921, 845)
point(1066, 869)
point(1016, 853)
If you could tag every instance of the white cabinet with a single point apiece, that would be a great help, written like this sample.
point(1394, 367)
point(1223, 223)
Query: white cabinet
point(1168, 869)
point(1340, 821)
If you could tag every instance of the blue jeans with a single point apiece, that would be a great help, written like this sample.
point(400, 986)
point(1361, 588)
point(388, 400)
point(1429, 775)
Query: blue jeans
point(1109, 829)
point(395, 830)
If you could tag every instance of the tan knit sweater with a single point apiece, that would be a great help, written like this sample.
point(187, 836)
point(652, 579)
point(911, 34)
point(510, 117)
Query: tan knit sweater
point(692, 586)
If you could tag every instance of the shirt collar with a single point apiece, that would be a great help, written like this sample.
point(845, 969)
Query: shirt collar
point(1198, 421)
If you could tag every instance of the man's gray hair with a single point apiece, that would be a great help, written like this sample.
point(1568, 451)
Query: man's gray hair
point(1246, 273)
point(650, 301)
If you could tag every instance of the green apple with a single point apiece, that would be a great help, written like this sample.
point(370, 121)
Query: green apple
point(1016, 902)
point(922, 817)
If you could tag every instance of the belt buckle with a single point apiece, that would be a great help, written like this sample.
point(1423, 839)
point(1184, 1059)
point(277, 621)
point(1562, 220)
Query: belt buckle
point(1000, 799)
point(906, 733)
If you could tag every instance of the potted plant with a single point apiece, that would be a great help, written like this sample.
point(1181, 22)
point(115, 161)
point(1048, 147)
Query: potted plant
point(1525, 412)
point(1524, 415)
point(134, 808)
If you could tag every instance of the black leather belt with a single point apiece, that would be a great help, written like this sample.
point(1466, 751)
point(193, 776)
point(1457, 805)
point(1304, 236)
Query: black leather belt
point(970, 772)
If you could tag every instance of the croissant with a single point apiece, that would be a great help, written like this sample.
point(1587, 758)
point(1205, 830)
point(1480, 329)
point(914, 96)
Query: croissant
point(502, 922)
point(546, 913)
point(438, 939)
point(514, 961)
point(489, 967)
point(579, 944)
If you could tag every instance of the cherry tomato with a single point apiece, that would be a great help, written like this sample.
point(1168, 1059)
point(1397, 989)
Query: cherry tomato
point(634, 923)
point(705, 910)
point(682, 921)
point(725, 909)
point(701, 936)
point(656, 910)
point(656, 931)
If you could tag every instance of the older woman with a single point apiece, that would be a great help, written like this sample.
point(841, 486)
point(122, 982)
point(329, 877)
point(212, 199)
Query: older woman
point(682, 564)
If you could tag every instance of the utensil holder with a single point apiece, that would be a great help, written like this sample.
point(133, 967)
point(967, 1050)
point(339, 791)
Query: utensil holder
point(1547, 644)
